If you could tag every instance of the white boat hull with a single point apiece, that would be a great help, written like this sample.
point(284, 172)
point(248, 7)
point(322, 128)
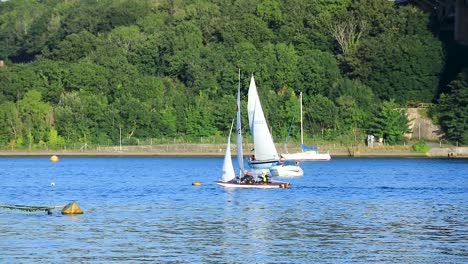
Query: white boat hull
point(262, 164)
point(286, 171)
point(306, 155)
point(269, 185)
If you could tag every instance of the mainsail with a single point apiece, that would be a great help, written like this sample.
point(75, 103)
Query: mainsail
point(264, 147)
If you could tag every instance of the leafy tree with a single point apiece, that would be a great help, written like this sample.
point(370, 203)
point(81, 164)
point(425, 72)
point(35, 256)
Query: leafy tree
point(69, 117)
point(407, 69)
point(452, 110)
point(200, 118)
point(54, 139)
point(10, 125)
point(206, 15)
point(394, 53)
point(270, 11)
point(320, 116)
point(420, 146)
point(279, 66)
point(15, 81)
point(87, 76)
point(35, 116)
point(168, 122)
point(74, 47)
point(391, 123)
point(318, 72)
point(283, 107)
point(18, 29)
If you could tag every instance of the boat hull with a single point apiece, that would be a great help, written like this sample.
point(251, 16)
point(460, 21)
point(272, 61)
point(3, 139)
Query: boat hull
point(269, 185)
point(262, 164)
point(286, 171)
point(306, 155)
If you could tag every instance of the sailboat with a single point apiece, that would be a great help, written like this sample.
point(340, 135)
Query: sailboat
point(228, 178)
point(265, 154)
point(308, 153)
point(284, 170)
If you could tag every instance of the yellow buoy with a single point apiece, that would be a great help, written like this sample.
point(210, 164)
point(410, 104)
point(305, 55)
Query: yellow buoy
point(196, 183)
point(54, 158)
point(72, 208)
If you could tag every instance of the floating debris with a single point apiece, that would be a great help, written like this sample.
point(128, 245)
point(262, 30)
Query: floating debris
point(71, 208)
point(196, 183)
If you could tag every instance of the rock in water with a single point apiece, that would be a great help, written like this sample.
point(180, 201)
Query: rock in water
point(72, 208)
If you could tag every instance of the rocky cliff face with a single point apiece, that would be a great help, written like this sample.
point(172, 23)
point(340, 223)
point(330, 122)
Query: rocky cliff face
point(422, 127)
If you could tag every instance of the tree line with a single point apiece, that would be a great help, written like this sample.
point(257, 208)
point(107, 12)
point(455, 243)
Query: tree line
point(84, 71)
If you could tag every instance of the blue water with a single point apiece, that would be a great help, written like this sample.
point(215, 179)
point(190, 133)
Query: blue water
point(144, 209)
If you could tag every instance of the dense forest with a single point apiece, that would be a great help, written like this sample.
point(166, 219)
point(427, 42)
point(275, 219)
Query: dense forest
point(89, 71)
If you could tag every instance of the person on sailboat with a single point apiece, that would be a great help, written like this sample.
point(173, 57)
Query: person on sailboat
point(264, 177)
point(248, 178)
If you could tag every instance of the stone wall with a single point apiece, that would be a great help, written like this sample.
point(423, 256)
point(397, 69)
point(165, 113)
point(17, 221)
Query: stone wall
point(422, 127)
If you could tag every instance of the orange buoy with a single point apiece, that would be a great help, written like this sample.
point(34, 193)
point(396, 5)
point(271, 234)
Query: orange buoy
point(196, 183)
point(72, 208)
point(54, 158)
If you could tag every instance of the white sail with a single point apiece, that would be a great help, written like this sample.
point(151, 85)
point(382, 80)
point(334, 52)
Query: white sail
point(228, 169)
point(264, 147)
point(240, 154)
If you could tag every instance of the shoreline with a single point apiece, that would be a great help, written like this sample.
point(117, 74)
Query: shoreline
point(218, 150)
point(123, 153)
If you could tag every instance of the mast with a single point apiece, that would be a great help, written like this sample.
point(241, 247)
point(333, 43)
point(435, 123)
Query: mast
point(302, 129)
point(240, 155)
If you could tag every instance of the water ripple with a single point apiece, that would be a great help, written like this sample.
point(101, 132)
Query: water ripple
point(145, 210)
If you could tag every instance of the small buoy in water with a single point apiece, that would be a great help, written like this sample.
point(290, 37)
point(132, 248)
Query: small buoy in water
point(52, 184)
point(196, 183)
point(54, 158)
point(72, 208)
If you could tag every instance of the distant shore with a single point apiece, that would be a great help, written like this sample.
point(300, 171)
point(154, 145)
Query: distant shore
point(186, 154)
point(215, 150)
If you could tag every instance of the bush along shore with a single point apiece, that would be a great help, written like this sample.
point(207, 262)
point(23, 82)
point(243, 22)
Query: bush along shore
point(218, 150)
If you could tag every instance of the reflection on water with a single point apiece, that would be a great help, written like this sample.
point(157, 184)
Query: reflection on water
point(145, 209)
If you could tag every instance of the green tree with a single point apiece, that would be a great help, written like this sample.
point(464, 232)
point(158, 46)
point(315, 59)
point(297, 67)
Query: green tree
point(54, 139)
point(74, 47)
point(35, 116)
point(391, 123)
point(320, 116)
point(10, 125)
point(200, 118)
point(318, 72)
point(452, 110)
point(168, 122)
point(270, 11)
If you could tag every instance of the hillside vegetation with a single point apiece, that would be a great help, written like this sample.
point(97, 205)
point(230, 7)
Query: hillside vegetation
point(89, 71)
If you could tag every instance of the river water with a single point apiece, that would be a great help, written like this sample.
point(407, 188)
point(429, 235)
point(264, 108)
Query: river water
point(144, 209)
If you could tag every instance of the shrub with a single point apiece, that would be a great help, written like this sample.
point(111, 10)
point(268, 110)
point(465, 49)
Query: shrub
point(420, 146)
